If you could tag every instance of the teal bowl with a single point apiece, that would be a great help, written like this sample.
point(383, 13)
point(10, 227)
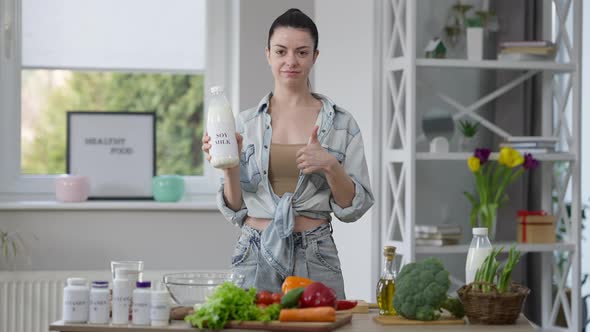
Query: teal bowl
point(168, 188)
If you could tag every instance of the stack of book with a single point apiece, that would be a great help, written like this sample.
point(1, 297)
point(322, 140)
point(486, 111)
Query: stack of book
point(439, 235)
point(532, 144)
point(532, 50)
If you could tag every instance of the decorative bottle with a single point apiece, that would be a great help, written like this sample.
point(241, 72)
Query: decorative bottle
point(386, 284)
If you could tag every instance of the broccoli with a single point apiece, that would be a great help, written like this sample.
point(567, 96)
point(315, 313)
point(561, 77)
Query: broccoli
point(421, 291)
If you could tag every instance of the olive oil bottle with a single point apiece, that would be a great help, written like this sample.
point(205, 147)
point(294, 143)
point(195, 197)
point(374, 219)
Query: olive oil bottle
point(386, 284)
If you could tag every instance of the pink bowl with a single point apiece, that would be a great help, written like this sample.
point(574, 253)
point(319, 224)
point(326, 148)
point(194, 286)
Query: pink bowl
point(72, 188)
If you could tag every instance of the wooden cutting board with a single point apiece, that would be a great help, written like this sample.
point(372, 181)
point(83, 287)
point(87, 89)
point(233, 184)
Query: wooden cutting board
point(445, 319)
point(181, 326)
point(341, 320)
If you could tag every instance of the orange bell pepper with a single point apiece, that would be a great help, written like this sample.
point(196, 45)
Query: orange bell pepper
point(292, 282)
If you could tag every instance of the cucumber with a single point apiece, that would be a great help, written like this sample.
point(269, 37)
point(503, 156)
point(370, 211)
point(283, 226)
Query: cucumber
point(291, 299)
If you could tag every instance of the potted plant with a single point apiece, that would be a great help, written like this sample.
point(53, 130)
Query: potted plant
point(475, 39)
point(455, 26)
point(12, 246)
point(493, 298)
point(468, 130)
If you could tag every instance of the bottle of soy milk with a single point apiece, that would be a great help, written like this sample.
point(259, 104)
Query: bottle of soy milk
point(222, 130)
point(479, 249)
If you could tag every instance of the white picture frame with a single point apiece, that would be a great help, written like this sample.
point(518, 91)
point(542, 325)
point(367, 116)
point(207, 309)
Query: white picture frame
point(116, 150)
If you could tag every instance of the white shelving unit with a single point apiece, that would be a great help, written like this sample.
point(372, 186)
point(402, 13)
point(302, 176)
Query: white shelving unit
point(561, 113)
point(494, 64)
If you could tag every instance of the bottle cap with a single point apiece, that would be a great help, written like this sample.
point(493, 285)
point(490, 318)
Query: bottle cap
point(143, 284)
point(480, 231)
point(216, 89)
point(77, 282)
point(389, 250)
point(100, 284)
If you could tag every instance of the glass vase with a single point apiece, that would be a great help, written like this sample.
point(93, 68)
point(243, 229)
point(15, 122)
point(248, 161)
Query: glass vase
point(467, 144)
point(490, 223)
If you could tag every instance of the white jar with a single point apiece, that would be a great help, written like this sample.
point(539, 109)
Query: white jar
point(142, 298)
point(121, 301)
point(160, 308)
point(99, 303)
point(75, 301)
point(221, 128)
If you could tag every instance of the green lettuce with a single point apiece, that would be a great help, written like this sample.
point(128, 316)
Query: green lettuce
point(230, 302)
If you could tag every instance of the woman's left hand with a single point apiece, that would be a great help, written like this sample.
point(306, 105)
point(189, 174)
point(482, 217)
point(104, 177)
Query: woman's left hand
point(313, 157)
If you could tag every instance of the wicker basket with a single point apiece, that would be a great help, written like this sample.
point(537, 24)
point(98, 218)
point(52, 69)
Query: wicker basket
point(493, 307)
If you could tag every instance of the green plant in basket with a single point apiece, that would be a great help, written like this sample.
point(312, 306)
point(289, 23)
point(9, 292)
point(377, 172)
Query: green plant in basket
point(488, 274)
point(492, 298)
point(468, 128)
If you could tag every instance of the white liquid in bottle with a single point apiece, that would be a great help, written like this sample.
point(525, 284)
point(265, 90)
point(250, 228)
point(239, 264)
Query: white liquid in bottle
point(222, 130)
point(479, 249)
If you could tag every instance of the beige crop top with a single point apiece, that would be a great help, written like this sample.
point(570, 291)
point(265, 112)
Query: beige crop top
point(282, 170)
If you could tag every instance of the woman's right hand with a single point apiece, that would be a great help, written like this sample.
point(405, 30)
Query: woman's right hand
point(207, 146)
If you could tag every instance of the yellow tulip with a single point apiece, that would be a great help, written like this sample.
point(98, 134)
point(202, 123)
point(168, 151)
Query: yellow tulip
point(510, 157)
point(474, 164)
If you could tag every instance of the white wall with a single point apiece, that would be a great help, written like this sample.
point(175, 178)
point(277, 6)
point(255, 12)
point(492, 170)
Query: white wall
point(256, 16)
point(89, 240)
point(344, 72)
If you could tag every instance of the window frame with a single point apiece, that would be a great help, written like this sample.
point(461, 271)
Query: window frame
point(17, 187)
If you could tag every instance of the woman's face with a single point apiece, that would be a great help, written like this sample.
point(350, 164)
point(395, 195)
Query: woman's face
point(291, 55)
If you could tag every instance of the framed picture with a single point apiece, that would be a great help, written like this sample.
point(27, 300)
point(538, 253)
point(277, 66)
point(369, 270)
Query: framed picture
point(116, 150)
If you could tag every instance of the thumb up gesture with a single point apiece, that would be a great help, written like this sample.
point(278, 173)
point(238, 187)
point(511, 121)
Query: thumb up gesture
point(313, 139)
point(313, 157)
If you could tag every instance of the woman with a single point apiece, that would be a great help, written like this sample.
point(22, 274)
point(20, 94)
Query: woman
point(302, 158)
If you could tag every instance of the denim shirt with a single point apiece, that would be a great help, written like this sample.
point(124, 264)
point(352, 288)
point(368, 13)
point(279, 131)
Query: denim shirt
point(340, 135)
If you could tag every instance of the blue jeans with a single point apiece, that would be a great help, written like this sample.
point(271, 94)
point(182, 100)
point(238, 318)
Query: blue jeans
point(316, 258)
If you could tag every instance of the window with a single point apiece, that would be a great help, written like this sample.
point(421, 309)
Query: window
point(106, 55)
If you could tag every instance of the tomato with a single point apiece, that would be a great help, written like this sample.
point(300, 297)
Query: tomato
point(261, 305)
point(276, 297)
point(264, 297)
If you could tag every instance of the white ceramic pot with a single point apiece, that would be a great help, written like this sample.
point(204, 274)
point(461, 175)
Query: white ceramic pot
point(72, 188)
point(475, 43)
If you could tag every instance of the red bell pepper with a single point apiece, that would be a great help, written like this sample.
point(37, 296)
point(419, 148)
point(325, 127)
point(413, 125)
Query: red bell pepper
point(345, 305)
point(318, 295)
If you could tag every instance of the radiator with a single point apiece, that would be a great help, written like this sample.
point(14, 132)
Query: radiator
point(29, 305)
point(31, 300)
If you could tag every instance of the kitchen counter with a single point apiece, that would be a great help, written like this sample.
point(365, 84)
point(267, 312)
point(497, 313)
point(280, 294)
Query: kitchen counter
point(360, 322)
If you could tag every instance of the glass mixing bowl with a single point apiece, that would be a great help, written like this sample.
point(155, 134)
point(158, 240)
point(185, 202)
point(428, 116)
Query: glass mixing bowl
point(190, 288)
